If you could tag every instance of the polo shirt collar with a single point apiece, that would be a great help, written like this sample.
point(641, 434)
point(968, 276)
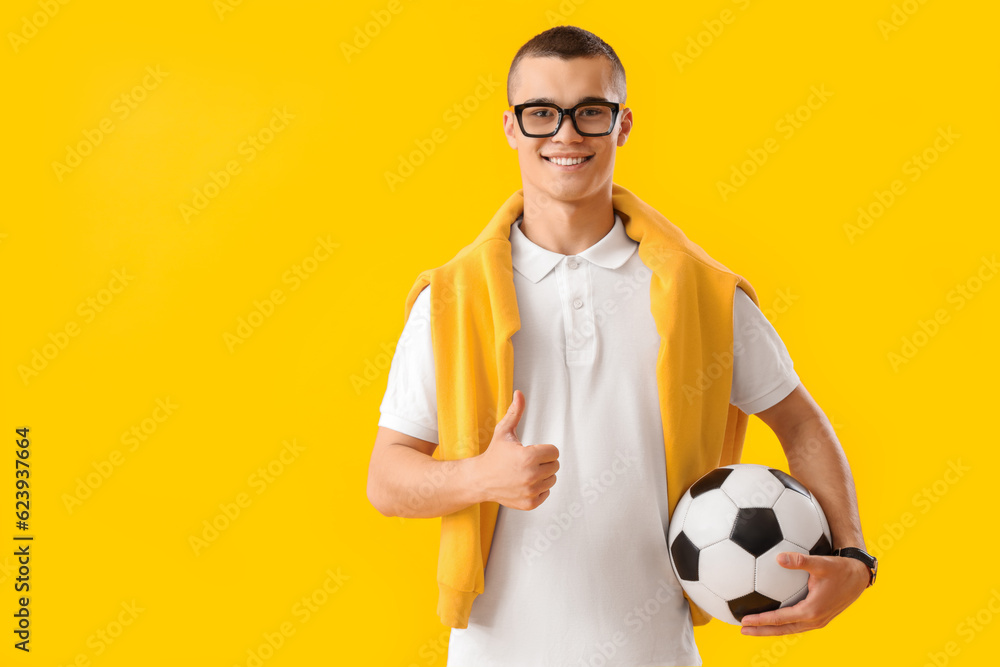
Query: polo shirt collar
point(534, 262)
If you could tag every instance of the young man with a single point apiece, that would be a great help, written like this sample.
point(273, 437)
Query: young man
point(583, 318)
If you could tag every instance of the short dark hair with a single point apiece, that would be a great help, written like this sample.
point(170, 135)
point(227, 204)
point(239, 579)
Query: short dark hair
point(568, 41)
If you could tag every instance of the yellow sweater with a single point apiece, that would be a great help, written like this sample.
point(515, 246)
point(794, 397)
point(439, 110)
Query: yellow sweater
point(473, 316)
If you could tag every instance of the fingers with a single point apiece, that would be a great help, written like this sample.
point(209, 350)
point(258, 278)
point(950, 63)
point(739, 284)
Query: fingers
point(546, 452)
point(797, 618)
point(771, 630)
point(784, 616)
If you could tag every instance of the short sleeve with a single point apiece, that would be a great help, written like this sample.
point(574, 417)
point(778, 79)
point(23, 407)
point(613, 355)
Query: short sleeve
point(410, 402)
point(762, 368)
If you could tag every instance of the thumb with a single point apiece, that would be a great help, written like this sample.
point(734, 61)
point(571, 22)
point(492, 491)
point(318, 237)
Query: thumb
point(513, 415)
point(793, 560)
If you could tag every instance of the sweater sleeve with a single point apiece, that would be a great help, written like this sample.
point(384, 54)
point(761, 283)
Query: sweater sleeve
point(763, 373)
point(410, 401)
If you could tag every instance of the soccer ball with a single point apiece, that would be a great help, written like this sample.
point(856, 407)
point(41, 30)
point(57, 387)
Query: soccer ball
point(727, 530)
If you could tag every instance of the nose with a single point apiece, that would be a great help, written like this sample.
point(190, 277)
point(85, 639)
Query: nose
point(567, 132)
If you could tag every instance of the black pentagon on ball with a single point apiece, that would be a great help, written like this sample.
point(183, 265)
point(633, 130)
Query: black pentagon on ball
point(822, 547)
point(709, 481)
point(754, 603)
point(685, 555)
point(790, 482)
point(756, 529)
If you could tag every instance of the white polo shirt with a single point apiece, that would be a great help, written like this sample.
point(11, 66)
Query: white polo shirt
point(584, 578)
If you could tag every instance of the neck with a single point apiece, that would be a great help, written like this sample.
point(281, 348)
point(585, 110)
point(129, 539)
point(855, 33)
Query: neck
point(566, 227)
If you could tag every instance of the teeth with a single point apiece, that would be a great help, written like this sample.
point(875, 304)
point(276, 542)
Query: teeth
point(566, 161)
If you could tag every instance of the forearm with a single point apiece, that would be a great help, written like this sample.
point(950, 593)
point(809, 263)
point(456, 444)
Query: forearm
point(816, 459)
point(413, 485)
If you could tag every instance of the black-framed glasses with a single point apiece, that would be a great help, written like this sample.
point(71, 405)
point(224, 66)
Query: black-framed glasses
point(590, 119)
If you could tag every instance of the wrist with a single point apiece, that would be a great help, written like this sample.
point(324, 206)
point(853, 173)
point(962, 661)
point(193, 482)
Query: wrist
point(863, 574)
point(868, 563)
point(470, 472)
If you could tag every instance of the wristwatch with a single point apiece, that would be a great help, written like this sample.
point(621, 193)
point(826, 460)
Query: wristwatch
point(853, 552)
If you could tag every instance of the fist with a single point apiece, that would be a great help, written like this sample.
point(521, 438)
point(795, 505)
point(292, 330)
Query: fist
point(511, 473)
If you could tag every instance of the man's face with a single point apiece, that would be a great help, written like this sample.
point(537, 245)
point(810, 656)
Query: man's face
point(565, 82)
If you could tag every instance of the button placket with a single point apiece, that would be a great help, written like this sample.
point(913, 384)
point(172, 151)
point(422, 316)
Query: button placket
point(575, 293)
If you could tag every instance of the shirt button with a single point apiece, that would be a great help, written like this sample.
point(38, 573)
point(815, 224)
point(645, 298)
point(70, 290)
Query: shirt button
point(572, 263)
point(578, 303)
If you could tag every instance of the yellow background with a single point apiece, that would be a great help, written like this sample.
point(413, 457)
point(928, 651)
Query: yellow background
point(314, 371)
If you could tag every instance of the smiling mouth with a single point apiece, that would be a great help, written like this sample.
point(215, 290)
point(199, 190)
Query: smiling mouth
point(567, 162)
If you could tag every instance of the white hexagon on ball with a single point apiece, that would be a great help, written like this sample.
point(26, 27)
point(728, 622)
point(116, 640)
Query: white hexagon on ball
point(798, 519)
point(755, 486)
point(727, 570)
point(709, 518)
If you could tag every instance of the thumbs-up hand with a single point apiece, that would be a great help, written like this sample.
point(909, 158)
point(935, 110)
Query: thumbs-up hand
point(513, 474)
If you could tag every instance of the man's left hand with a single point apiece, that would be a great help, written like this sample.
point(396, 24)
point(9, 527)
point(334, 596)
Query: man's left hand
point(834, 583)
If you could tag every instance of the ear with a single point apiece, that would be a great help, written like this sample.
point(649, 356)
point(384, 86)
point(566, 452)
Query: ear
point(626, 123)
point(509, 129)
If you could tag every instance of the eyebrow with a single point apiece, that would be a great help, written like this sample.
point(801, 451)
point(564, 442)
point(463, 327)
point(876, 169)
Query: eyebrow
point(549, 100)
